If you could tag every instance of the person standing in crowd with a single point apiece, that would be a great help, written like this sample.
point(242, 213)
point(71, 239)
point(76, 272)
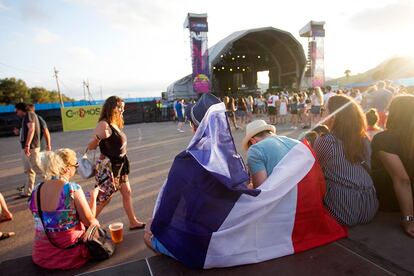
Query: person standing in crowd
point(283, 109)
point(30, 142)
point(112, 142)
point(389, 87)
point(302, 108)
point(230, 111)
point(393, 162)
point(45, 137)
point(271, 108)
point(5, 215)
point(316, 105)
point(328, 93)
point(372, 119)
point(344, 155)
point(241, 111)
point(63, 214)
point(261, 106)
point(179, 106)
point(380, 100)
point(366, 102)
point(294, 106)
point(250, 108)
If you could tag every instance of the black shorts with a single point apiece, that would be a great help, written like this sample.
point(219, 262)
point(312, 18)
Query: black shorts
point(271, 110)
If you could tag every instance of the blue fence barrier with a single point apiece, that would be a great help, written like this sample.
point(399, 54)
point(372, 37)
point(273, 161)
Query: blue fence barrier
point(47, 106)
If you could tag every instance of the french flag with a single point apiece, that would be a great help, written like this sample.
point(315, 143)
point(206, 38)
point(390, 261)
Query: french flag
point(207, 217)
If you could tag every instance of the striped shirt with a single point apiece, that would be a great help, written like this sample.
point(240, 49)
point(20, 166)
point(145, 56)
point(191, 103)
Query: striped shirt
point(350, 193)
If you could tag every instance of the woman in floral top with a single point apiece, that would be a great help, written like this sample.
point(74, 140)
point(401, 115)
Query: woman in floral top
point(66, 212)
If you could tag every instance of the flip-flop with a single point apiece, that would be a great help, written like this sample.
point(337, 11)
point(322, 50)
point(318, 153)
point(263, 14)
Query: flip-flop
point(137, 227)
point(6, 235)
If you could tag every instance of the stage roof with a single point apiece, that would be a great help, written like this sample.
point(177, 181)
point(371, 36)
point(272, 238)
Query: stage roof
point(282, 48)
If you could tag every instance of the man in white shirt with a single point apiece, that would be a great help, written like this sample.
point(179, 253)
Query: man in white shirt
point(328, 94)
point(271, 108)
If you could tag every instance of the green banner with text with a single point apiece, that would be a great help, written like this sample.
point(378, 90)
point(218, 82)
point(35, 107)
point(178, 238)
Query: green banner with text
point(80, 118)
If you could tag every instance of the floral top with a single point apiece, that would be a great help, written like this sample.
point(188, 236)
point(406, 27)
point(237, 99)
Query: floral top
point(64, 217)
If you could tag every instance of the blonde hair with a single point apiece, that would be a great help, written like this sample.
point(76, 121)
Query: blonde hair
point(319, 94)
point(53, 163)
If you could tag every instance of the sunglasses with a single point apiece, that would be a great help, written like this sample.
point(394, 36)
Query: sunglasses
point(75, 166)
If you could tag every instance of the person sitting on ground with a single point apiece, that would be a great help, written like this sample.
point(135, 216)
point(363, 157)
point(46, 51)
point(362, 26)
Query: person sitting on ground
point(321, 130)
point(372, 120)
point(344, 155)
point(311, 137)
point(393, 161)
point(65, 213)
point(206, 210)
point(5, 215)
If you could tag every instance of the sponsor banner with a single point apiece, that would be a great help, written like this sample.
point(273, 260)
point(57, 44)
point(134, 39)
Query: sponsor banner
point(318, 63)
point(80, 118)
point(199, 54)
point(198, 24)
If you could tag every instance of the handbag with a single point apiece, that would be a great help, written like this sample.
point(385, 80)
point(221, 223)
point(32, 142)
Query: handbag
point(99, 245)
point(86, 168)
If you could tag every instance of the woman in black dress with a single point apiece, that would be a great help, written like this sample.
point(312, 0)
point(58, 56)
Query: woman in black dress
point(112, 142)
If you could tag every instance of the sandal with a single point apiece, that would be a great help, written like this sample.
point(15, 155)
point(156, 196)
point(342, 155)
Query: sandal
point(137, 227)
point(6, 235)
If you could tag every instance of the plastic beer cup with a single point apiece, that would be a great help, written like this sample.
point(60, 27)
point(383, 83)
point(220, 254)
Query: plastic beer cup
point(116, 230)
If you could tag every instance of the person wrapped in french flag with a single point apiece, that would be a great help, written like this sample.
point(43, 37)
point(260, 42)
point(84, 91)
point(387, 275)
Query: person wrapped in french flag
point(207, 216)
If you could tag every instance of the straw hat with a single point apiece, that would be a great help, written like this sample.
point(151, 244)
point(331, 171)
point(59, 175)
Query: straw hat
point(254, 128)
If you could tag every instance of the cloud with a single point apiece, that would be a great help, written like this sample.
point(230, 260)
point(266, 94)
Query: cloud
point(33, 12)
point(81, 54)
point(45, 37)
point(3, 6)
point(130, 15)
point(393, 17)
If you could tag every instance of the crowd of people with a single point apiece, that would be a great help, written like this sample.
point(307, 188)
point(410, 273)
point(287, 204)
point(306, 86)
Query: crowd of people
point(363, 161)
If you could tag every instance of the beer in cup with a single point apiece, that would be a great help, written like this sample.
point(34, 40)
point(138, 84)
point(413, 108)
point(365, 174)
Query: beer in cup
point(116, 230)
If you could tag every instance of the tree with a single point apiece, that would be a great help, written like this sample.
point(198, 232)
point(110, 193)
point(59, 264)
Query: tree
point(15, 90)
point(39, 95)
point(347, 74)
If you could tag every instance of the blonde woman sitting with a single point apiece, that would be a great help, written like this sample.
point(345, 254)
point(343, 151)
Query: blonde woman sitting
point(65, 213)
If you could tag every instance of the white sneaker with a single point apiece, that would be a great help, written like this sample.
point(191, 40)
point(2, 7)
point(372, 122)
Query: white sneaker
point(180, 130)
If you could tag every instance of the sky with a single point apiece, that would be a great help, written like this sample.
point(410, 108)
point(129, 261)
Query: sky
point(136, 48)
